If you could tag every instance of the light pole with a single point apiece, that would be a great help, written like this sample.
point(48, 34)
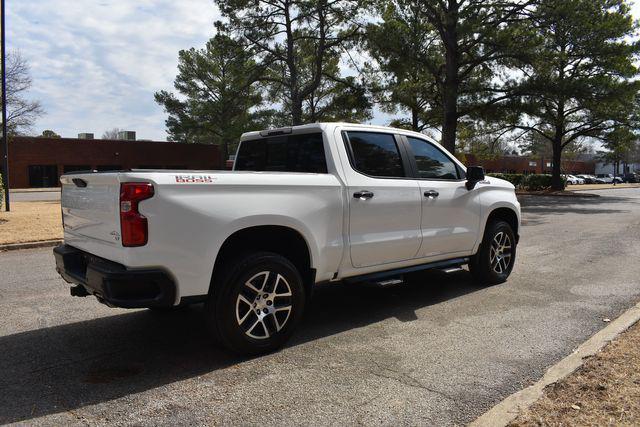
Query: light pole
point(5, 142)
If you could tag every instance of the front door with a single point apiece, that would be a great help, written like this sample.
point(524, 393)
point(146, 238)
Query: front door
point(384, 201)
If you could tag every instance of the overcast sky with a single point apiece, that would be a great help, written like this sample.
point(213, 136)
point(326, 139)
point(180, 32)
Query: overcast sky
point(97, 63)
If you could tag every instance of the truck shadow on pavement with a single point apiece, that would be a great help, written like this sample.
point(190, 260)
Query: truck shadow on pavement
point(62, 368)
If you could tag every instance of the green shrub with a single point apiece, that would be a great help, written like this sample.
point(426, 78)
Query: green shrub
point(532, 182)
point(537, 182)
point(517, 179)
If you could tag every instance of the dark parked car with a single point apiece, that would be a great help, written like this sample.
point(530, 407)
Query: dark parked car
point(631, 177)
point(588, 179)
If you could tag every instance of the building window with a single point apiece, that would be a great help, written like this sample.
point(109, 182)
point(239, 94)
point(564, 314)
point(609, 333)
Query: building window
point(548, 164)
point(533, 164)
point(43, 176)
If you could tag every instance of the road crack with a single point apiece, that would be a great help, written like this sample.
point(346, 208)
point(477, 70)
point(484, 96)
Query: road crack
point(406, 379)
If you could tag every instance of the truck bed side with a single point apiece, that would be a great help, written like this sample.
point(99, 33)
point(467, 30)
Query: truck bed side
point(192, 213)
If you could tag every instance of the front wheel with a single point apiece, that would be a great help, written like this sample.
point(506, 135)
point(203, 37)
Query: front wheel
point(257, 304)
point(497, 253)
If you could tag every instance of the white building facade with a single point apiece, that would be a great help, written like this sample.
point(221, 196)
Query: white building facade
point(602, 167)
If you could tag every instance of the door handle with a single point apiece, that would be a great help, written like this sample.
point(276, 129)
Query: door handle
point(363, 195)
point(432, 194)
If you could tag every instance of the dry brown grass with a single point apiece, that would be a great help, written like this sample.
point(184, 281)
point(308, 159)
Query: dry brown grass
point(605, 391)
point(31, 221)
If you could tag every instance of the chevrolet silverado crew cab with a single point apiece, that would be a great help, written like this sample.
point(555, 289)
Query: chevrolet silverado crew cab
point(303, 205)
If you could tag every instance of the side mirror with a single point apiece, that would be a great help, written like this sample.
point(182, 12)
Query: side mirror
point(474, 175)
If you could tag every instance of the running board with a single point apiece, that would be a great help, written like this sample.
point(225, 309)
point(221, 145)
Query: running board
point(451, 270)
point(389, 282)
point(449, 266)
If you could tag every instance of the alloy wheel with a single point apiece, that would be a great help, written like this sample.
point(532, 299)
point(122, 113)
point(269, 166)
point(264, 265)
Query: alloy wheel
point(500, 253)
point(264, 305)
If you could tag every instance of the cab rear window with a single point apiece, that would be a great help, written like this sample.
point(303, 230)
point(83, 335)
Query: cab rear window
point(287, 153)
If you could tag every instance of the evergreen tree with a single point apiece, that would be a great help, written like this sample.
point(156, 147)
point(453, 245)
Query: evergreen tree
point(578, 77)
point(219, 97)
point(440, 57)
point(299, 43)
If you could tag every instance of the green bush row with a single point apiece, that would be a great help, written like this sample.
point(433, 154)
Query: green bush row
point(531, 182)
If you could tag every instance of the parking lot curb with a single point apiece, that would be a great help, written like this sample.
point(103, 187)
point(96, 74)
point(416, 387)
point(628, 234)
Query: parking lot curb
point(568, 193)
point(606, 188)
point(507, 410)
point(30, 245)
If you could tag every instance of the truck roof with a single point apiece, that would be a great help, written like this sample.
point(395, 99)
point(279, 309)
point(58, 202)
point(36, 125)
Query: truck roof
point(323, 126)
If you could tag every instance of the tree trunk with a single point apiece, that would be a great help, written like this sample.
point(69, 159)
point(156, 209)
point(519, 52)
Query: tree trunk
point(224, 154)
point(415, 126)
point(294, 89)
point(450, 121)
point(450, 95)
point(558, 137)
point(296, 112)
point(556, 179)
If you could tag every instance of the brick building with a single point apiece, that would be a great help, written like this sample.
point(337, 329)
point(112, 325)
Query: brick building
point(39, 162)
point(530, 164)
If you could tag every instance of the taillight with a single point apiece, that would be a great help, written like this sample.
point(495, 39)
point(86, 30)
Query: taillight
point(133, 225)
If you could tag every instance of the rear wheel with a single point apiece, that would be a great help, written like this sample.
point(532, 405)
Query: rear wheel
point(495, 258)
point(256, 306)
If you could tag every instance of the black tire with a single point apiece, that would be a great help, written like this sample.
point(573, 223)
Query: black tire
point(483, 266)
point(231, 316)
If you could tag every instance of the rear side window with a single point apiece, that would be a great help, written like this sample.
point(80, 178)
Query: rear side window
point(431, 162)
point(290, 153)
point(375, 154)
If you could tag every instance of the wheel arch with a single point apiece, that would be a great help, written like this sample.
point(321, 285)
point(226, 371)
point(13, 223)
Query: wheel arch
point(281, 239)
point(506, 214)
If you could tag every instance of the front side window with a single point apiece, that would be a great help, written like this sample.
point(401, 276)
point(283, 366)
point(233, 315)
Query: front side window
point(432, 163)
point(290, 153)
point(376, 154)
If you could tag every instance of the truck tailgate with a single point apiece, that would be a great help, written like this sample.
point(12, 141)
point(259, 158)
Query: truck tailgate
point(90, 208)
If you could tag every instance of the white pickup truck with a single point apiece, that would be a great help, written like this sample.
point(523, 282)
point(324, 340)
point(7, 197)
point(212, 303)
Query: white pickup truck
point(304, 205)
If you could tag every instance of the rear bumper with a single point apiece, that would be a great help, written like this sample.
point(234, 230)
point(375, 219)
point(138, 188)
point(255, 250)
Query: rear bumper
point(112, 283)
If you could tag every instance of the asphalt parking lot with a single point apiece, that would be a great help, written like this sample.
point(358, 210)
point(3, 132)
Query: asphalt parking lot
point(438, 351)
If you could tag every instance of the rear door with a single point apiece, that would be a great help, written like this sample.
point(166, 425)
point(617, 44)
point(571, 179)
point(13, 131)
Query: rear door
point(384, 201)
point(450, 213)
